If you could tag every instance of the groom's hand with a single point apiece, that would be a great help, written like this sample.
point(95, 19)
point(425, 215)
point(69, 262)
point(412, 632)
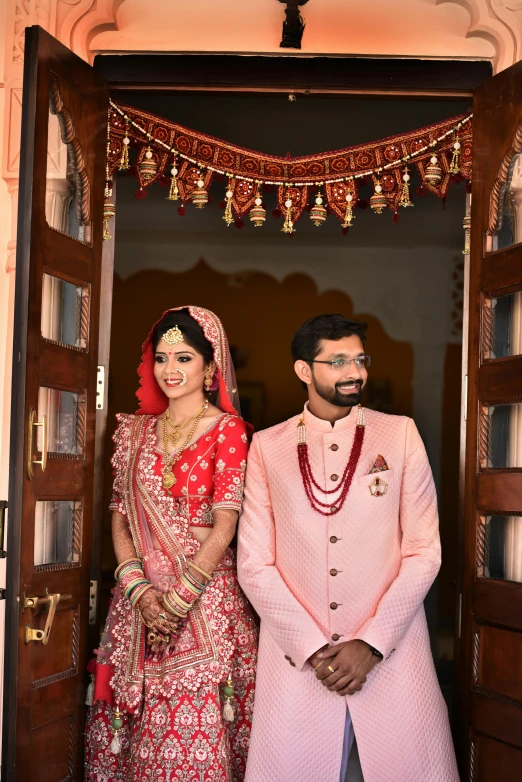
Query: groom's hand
point(351, 662)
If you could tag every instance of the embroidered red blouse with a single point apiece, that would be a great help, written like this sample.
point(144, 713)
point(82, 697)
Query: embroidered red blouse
point(209, 475)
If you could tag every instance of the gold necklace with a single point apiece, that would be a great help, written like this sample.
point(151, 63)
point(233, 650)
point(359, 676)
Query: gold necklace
point(175, 436)
point(169, 479)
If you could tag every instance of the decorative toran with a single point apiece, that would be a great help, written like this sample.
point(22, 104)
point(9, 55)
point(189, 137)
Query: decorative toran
point(188, 161)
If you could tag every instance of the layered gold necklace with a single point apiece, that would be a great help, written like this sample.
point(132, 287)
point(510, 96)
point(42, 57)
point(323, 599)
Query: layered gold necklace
point(169, 460)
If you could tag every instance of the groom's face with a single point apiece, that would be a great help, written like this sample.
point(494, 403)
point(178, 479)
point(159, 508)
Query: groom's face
point(339, 381)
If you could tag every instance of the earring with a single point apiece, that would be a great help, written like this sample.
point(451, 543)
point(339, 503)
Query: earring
point(208, 382)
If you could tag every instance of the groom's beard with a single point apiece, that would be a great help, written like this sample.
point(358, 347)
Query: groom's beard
point(335, 397)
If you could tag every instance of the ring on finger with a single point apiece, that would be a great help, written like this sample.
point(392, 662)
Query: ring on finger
point(162, 616)
point(332, 670)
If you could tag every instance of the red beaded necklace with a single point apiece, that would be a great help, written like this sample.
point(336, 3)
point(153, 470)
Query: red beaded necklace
point(330, 508)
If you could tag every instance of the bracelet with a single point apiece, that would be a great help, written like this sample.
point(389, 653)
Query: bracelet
point(133, 585)
point(134, 560)
point(173, 608)
point(193, 580)
point(139, 593)
point(128, 574)
point(191, 564)
point(176, 597)
point(190, 588)
point(376, 652)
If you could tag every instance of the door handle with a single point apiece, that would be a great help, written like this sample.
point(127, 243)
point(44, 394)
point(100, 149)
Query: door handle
point(32, 602)
point(31, 423)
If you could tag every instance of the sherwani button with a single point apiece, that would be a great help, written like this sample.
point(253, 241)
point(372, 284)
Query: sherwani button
point(333, 539)
point(287, 658)
point(334, 447)
point(292, 663)
point(333, 572)
point(334, 477)
point(335, 637)
point(333, 606)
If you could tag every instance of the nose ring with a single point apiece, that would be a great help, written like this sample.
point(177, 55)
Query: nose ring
point(184, 376)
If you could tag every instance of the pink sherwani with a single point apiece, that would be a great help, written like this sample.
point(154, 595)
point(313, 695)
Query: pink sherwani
point(362, 573)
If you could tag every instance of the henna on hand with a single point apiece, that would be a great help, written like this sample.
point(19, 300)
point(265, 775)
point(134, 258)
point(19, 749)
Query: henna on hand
point(150, 606)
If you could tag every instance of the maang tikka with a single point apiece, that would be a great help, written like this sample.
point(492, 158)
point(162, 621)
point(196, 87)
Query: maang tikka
point(173, 336)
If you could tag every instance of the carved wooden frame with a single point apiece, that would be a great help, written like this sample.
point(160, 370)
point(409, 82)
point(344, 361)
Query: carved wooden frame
point(501, 182)
point(76, 171)
point(484, 436)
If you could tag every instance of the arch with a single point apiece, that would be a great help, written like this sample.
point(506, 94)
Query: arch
point(499, 22)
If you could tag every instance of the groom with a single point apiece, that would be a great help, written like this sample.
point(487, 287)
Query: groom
point(338, 546)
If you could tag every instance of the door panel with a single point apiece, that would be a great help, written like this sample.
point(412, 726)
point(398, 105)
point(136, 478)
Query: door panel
point(58, 286)
point(491, 675)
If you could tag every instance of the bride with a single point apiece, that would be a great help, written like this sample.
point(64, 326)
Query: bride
point(174, 682)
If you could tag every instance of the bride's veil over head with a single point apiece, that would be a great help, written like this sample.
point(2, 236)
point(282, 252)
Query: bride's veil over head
point(152, 399)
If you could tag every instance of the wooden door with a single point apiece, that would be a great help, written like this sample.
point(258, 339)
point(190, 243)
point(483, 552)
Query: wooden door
point(60, 234)
point(491, 676)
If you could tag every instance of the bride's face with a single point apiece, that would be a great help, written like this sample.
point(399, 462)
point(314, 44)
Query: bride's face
point(179, 369)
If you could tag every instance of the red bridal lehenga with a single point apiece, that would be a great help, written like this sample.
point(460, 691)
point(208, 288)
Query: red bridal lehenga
point(172, 705)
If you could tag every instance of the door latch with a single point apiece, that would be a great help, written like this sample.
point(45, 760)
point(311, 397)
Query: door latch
point(31, 634)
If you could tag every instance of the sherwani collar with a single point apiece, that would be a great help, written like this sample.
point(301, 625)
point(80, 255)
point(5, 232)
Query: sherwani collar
point(343, 425)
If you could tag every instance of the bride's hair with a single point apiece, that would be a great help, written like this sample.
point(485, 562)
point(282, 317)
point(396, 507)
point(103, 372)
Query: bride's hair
point(191, 330)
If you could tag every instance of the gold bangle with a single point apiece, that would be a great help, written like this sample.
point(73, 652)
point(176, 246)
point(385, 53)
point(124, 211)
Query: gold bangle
point(126, 562)
point(191, 564)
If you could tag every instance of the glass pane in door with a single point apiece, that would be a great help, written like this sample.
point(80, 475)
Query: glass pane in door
point(67, 192)
point(503, 548)
point(509, 224)
point(507, 329)
point(65, 422)
point(65, 312)
point(505, 436)
point(57, 532)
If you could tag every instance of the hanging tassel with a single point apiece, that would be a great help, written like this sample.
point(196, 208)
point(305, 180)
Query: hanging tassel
point(405, 191)
point(455, 160)
point(228, 709)
point(288, 227)
point(378, 200)
point(173, 192)
point(258, 212)
point(148, 167)
point(228, 217)
point(116, 725)
point(318, 212)
point(466, 224)
point(349, 216)
point(89, 695)
point(200, 195)
point(109, 210)
point(124, 161)
point(115, 744)
point(433, 172)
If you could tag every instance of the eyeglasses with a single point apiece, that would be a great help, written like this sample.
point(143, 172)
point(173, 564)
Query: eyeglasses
point(345, 363)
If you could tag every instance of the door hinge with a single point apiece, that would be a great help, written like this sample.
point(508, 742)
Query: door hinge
point(465, 399)
point(93, 594)
point(459, 632)
point(100, 388)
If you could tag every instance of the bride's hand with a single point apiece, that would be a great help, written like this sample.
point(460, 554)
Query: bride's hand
point(154, 615)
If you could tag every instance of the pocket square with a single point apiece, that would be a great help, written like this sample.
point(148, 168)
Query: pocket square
point(379, 465)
